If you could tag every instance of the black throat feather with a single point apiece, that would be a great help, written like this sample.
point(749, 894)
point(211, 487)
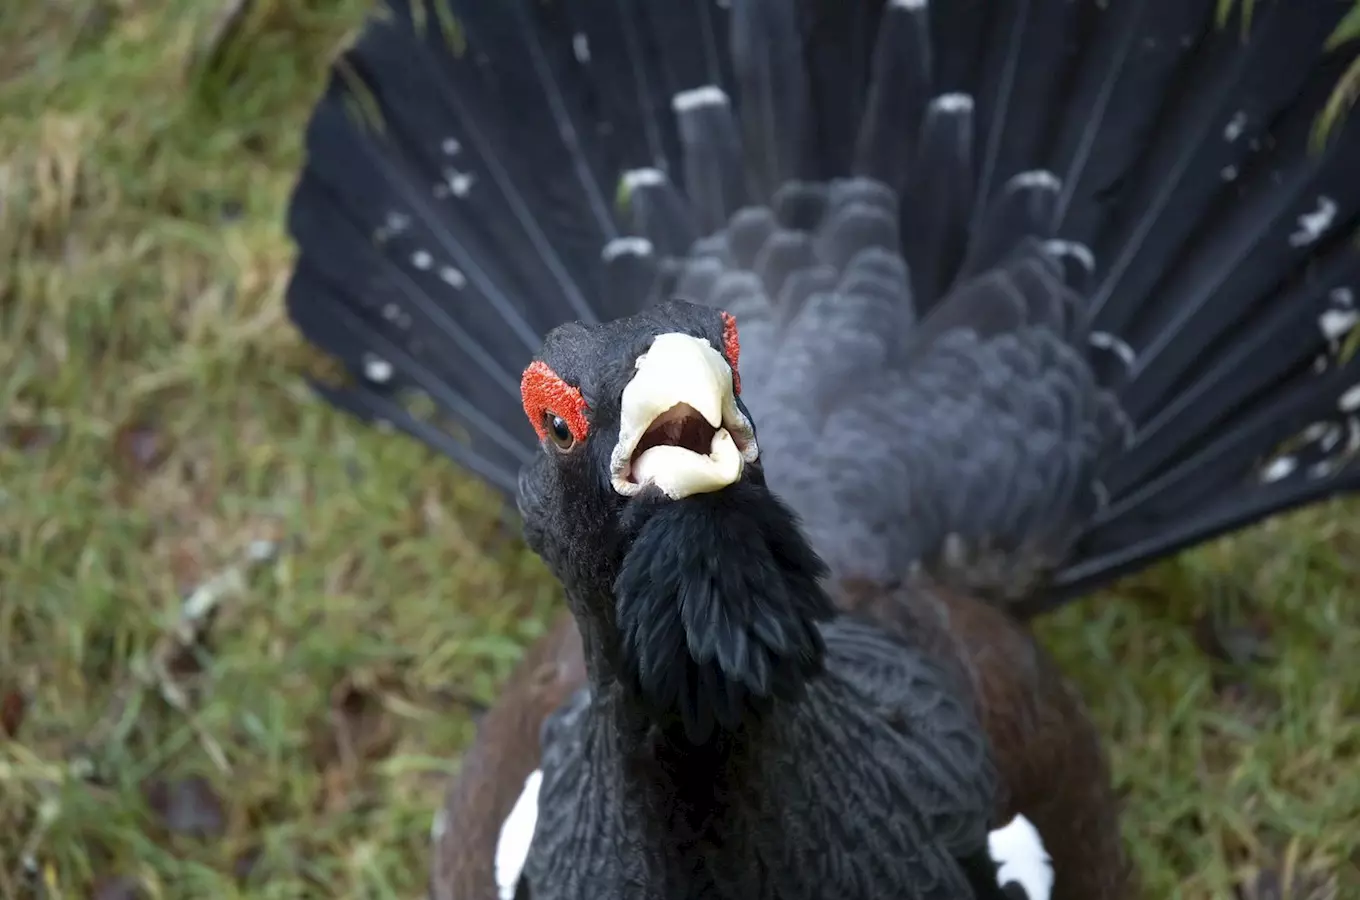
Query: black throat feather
point(718, 599)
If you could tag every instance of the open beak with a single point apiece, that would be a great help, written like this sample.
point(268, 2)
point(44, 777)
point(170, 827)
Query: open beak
point(680, 427)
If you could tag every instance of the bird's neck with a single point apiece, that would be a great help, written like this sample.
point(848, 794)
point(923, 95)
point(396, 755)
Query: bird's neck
point(712, 616)
point(605, 669)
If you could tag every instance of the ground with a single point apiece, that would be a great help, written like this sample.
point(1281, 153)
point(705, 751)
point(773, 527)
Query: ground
point(243, 638)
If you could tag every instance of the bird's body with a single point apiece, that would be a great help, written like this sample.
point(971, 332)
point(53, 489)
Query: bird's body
point(735, 727)
point(1053, 768)
point(882, 761)
point(1028, 294)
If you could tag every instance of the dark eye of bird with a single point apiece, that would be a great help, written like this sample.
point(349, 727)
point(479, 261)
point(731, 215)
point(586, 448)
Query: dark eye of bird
point(559, 432)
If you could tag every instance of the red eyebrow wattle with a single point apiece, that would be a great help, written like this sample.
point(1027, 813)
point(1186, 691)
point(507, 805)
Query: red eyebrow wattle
point(732, 348)
point(543, 391)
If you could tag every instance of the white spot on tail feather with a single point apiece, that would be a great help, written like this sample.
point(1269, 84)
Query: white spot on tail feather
point(1350, 400)
point(512, 847)
point(453, 277)
point(459, 182)
point(632, 246)
point(580, 46)
point(636, 178)
point(1228, 173)
point(451, 146)
point(1101, 492)
point(1021, 857)
point(908, 4)
point(1279, 468)
point(1316, 430)
point(393, 224)
point(1236, 125)
point(1080, 252)
point(1037, 178)
point(952, 103)
point(1327, 435)
point(1314, 224)
point(1103, 340)
point(377, 369)
point(1337, 323)
point(708, 95)
point(421, 259)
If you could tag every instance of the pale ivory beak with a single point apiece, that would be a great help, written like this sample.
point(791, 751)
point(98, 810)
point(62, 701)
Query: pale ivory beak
point(681, 368)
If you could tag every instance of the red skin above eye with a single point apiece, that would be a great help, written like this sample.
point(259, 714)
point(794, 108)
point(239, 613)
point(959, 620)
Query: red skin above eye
point(544, 393)
point(732, 348)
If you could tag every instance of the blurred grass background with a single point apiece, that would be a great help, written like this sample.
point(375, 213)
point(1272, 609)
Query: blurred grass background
point(242, 638)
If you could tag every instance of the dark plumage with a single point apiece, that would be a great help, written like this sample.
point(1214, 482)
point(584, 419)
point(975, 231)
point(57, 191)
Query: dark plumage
point(1031, 294)
point(718, 603)
point(719, 673)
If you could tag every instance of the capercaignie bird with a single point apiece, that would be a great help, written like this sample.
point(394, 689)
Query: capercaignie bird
point(822, 343)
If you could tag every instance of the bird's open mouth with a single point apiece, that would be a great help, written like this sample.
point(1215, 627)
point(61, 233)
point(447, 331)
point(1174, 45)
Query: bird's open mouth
point(680, 428)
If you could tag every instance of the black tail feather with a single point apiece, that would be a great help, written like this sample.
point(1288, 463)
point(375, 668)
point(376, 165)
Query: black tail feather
point(712, 148)
point(899, 91)
point(373, 406)
point(1121, 207)
point(1025, 207)
point(939, 196)
point(1279, 346)
point(1136, 52)
point(767, 51)
point(1238, 510)
point(1191, 165)
point(1030, 48)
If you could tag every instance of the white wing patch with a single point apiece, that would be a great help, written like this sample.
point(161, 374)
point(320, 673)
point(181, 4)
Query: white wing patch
point(1020, 854)
point(512, 848)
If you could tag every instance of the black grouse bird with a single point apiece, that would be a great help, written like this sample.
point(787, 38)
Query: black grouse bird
point(822, 342)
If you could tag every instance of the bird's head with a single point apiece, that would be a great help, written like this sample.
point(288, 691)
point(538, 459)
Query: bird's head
point(691, 579)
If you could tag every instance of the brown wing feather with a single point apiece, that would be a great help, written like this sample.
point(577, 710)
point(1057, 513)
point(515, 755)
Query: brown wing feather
point(504, 753)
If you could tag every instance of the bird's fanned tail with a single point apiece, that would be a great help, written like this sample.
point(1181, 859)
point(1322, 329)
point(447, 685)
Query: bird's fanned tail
point(1030, 294)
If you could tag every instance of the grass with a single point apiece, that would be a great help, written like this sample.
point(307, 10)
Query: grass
point(362, 600)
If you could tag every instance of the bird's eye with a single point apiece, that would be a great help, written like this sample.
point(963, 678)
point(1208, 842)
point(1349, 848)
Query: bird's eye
point(556, 409)
point(559, 432)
